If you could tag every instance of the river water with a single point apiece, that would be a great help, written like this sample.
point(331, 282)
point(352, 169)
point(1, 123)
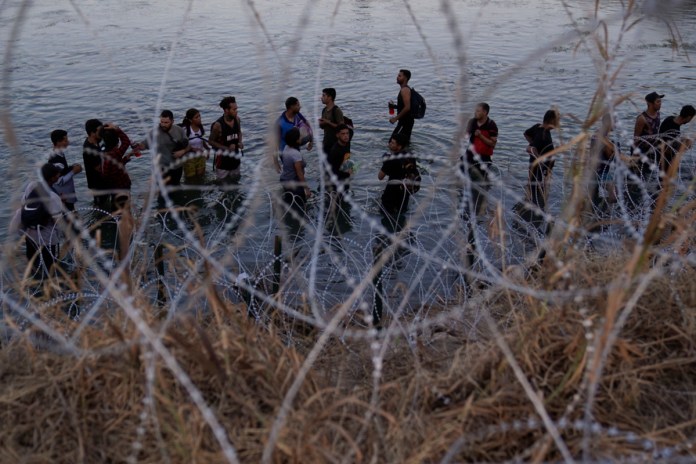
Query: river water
point(123, 61)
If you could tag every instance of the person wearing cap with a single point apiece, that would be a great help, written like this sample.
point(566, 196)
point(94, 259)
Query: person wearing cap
point(647, 125)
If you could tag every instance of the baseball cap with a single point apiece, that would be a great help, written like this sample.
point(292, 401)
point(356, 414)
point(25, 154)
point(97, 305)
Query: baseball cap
point(652, 96)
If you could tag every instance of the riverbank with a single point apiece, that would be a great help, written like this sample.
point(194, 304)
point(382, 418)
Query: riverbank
point(508, 374)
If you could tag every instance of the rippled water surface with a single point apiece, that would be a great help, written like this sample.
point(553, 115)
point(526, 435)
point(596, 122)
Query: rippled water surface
point(123, 61)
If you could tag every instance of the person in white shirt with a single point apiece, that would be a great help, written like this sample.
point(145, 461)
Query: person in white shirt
point(65, 186)
point(194, 168)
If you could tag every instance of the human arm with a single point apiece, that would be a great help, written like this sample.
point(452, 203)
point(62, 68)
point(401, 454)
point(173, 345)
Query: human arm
point(215, 136)
point(124, 144)
point(386, 169)
point(310, 134)
point(54, 205)
point(489, 140)
point(143, 144)
point(529, 136)
point(638, 129)
point(406, 97)
point(240, 144)
point(76, 169)
point(180, 139)
point(299, 170)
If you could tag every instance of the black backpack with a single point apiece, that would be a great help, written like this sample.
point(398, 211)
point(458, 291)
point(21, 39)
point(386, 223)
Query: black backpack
point(412, 177)
point(348, 122)
point(34, 212)
point(417, 104)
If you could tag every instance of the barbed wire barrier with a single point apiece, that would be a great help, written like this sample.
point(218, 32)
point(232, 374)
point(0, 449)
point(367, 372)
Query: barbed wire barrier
point(224, 325)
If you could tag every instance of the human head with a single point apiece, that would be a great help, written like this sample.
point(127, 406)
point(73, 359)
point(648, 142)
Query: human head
point(654, 100)
point(229, 107)
point(92, 127)
point(292, 102)
point(193, 116)
point(191, 113)
point(551, 118)
point(482, 110)
point(50, 173)
point(110, 138)
point(687, 113)
point(166, 120)
point(328, 93)
point(121, 201)
point(404, 76)
point(292, 138)
point(343, 134)
point(59, 137)
point(397, 143)
point(225, 102)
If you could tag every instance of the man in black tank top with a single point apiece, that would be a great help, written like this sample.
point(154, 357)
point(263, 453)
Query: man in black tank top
point(403, 116)
point(226, 136)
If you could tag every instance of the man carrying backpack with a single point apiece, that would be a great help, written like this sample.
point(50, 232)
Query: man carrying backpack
point(403, 117)
point(36, 220)
point(331, 118)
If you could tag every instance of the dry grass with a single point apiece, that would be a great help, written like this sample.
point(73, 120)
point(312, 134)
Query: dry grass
point(441, 394)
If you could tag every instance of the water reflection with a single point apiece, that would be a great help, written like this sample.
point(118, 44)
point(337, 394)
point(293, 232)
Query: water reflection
point(368, 43)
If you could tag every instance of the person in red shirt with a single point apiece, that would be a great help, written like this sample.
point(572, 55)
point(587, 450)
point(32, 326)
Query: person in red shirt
point(483, 136)
point(113, 171)
point(113, 166)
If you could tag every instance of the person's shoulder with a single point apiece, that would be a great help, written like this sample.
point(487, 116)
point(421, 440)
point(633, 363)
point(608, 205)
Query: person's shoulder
point(290, 151)
point(283, 119)
point(669, 120)
point(532, 129)
point(55, 156)
point(490, 125)
point(178, 131)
